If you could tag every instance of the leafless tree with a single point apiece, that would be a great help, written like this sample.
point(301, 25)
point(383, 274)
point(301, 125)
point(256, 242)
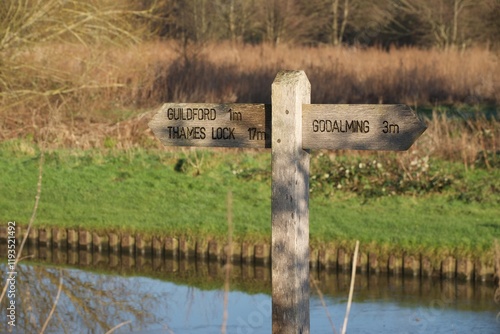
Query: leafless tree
point(338, 28)
point(442, 19)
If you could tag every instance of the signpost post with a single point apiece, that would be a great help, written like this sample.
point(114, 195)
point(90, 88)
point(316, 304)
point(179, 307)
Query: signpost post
point(289, 126)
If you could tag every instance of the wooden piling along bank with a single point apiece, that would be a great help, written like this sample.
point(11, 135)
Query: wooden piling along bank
point(324, 257)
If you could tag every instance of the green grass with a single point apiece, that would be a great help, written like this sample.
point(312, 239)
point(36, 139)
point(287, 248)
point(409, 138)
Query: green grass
point(185, 193)
point(430, 223)
point(134, 191)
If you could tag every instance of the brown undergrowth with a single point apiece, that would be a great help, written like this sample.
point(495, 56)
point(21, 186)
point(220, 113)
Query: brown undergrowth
point(103, 97)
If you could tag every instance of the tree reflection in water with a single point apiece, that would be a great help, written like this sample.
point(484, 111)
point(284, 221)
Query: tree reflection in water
point(95, 302)
point(186, 297)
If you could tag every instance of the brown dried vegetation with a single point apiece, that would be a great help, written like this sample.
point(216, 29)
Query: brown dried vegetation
point(84, 97)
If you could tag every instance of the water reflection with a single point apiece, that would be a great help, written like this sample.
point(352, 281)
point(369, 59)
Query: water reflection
point(180, 296)
point(89, 302)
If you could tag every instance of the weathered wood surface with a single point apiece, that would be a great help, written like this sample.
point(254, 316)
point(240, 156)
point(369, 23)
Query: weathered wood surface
point(324, 126)
point(290, 205)
point(213, 125)
point(384, 127)
point(293, 126)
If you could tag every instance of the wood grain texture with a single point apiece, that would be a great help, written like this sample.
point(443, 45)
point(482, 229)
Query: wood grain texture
point(393, 127)
point(290, 205)
point(334, 127)
point(219, 125)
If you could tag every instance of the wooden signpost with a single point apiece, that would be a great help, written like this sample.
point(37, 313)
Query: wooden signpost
point(325, 126)
point(289, 126)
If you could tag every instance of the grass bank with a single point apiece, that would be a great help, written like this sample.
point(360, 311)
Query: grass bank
point(184, 192)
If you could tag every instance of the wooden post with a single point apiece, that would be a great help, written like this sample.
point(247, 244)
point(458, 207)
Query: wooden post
point(290, 205)
point(289, 134)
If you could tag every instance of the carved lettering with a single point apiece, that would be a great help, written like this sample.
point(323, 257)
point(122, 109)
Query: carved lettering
point(191, 114)
point(254, 134)
point(235, 115)
point(341, 126)
point(181, 132)
point(390, 128)
point(223, 133)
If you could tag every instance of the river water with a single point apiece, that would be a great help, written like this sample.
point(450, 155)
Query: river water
point(190, 298)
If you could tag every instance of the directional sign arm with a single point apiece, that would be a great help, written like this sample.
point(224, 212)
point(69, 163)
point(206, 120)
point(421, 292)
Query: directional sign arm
point(213, 125)
point(360, 127)
point(324, 126)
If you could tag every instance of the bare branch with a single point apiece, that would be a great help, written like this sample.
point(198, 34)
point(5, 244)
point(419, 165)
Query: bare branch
point(59, 289)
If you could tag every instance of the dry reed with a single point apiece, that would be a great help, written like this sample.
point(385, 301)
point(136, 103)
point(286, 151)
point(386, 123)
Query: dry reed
point(470, 141)
point(351, 288)
point(227, 266)
point(497, 274)
point(118, 326)
point(323, 303)
point(148, 74)
point(99, 97)
point(59, 289)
